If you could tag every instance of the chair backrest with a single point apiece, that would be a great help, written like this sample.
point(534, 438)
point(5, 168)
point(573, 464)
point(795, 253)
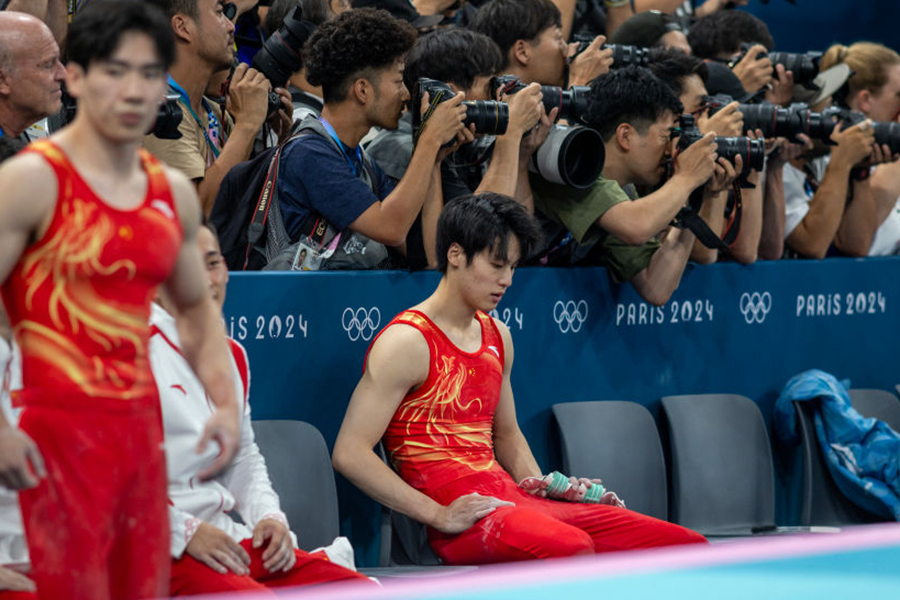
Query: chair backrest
point(880, 404)
point(300, 469)
point(722, 478)
point(822, 501)
point(617, 442)
point(404, 541)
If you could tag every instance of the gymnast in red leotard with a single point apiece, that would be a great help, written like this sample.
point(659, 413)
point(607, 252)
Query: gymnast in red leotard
point(436, 389)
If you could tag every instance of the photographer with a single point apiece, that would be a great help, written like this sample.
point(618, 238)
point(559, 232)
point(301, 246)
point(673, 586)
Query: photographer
point(635, 114)
point(465, 61)
point(336, 203)
point(686, 76)
point(30, 74)
point(719, 37)
point(530, 37)
point(817, 187)
point(211, 142)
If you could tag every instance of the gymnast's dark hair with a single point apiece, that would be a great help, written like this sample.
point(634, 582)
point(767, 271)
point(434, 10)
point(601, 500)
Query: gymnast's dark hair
point(485, 221)
point(98, 29)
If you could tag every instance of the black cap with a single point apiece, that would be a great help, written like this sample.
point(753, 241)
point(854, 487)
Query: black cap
point(722, 80)
point(402, 9)
point(644, 29)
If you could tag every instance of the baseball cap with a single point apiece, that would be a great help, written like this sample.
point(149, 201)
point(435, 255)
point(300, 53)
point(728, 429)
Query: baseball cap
point(824, 85)
point(402, 9)
point(644, 29)
point(722, 81)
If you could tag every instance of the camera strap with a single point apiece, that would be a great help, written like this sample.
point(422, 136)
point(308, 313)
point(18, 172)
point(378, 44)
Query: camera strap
point(689, 218)
point(212, 121)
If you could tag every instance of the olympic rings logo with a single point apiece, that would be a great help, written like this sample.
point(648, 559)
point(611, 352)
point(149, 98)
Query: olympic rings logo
point(570, 316)
point(755, 306)
point(361, 323)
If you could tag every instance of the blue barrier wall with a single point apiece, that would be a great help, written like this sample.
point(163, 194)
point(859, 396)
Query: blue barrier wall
point(815, 25)
point(728, 328)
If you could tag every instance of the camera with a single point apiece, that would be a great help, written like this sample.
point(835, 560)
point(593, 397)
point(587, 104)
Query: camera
point(805, 67)
point(885, 133)
point(752, 152)
point(488, 116)
point(775, 121)
point(281, 55)
point(623, 55)
point(572, 156)
point(572, 103)
point(167, 119)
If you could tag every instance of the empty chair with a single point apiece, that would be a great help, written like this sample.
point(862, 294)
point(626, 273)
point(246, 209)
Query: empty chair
point(879, 404)
point(722, 478)
point(617, 442)
point(300, 469)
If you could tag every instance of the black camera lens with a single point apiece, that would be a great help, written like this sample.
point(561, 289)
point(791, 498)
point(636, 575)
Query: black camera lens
point(752, 152)
point(572, 103)
point(282, 54)
point(889, 134)
point(488, 116)
point(772, 120)
point(624, 56)
point(805, 67)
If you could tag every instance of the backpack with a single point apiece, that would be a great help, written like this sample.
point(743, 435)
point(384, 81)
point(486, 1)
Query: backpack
point(253, 237)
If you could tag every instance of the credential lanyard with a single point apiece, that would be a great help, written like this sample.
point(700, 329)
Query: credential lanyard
point(340, 144)
point(212, 120)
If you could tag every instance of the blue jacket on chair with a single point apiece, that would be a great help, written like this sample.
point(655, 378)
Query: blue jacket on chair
point(863, 455)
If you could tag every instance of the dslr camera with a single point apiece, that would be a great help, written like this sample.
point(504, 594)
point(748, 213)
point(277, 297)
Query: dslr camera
point(572, 156)
point(752, 152)
point(489, 116)
point(623, 54)
point(282, 54)
point(805, 67)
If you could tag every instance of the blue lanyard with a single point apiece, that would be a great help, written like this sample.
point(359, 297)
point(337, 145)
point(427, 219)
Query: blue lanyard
point(212, 120)
point(340, 144)
point(1, 132)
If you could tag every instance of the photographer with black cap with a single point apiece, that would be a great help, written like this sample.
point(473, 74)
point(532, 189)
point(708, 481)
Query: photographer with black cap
point(212, 140)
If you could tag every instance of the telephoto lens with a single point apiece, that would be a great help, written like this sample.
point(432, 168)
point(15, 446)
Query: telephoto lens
point(624, 56)
point(805, 67)
point(282, 54)
point(572, 103)
point(752, 152)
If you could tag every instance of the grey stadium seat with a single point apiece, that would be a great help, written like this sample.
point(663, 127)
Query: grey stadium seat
point(617, 442)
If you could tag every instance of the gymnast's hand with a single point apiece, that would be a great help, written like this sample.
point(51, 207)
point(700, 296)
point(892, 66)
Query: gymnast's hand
point(466, 510)
point(223, 427)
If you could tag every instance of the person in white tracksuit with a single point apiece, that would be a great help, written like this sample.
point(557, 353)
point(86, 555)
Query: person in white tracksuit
point(211, 552)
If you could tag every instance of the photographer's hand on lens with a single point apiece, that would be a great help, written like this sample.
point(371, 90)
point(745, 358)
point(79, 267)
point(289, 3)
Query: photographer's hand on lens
point(282, 120)
point(786, 151)
point(533, 141)
point(525, 109)
point(591, 63)
point(754, 69)
point(724, 175)
point(728, 121)
point(854, 144)
point(248, 97)
point(698, 161)
point(446, 120)
point(771, 143)
point(781, 90)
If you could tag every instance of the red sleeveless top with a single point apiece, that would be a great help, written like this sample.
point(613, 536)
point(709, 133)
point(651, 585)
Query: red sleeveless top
point(443, 431)
point(79, 298)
